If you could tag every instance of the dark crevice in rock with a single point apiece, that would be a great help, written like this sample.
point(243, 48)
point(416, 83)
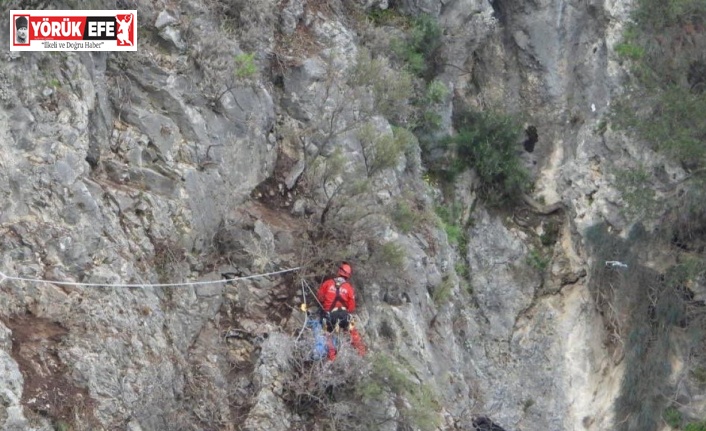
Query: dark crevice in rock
point(499, 11)
point(542, 209)
point(483, 423)
point(532, 139)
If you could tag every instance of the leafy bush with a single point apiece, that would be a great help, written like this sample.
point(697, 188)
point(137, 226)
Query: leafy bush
point(666, 105)
point(640, 309)
point(436, 91)
point(634, 186)
point(61, 426)
point(488, 142)
point(629, 50)
point(699, 426)
point(245, 66)
point(430, 120)
point(406, 218)
point(673, 417)
point(380, 151)
point(551, 233)
point(422, 48)
point(449, 216)
point(388, 16)
point(443, 291)
point(390, 255)
point(388, 377)
point(391, 89)
point(537, 260)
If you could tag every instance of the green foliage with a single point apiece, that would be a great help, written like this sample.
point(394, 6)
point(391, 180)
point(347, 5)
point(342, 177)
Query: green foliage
point(390, 255)
point(391, 89)
point(430, 105)
point(406, 219)
point(666, 105)
point(421, 49)
point(431, 120)
point(453, 232)
point(673, 417)
point(634, 186)
point(436, 91)
point(388, 16)
point(463, 270)
point(685, 272)
point(390, 377)
point(61, 426)
point(245, 66)
point(675, 126)
point(488, 142)
point(449, 218)
point(699, 374)
point(550, 234)
point(641, 307)
point(698, 426)
point(662, 15)
point(630, 51)
point(443, 291)
point(537, 260)
point(381, 150)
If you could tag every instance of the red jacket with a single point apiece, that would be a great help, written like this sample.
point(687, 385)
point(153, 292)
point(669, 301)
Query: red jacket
point(327, 295)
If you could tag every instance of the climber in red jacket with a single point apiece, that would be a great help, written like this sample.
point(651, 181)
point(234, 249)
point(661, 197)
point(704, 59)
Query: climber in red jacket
point(337, 298)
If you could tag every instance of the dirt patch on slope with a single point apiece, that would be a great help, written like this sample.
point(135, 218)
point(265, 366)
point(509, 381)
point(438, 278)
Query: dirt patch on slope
point(48, 389)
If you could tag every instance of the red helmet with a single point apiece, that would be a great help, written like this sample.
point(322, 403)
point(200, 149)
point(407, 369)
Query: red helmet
point(345, 270)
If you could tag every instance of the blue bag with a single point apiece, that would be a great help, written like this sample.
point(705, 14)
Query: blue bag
point(320, 350)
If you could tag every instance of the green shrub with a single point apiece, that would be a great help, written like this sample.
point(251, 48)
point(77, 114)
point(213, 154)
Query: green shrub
point(463, 270)
point(390, 377)
point(443, 291)
point(664, 107)
point(551, 233)
point(431, 120)
point(449, 220)
point(380, 151)
point(391, 89)
point(641, 307)
point(421, 49)
point(388, 16)
point(390, 255)
point(673, 417)
point(61, 426)
point(429, 105)
point(404, 217)
point(699, 374)
point(630, 51)
point(488, 142)
point(537, 260)
point(699, 426)
point(634, 186)
point(245, 66)
point(436, 91)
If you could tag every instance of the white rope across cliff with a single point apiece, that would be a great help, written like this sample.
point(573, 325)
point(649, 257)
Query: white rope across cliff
point(4, 277)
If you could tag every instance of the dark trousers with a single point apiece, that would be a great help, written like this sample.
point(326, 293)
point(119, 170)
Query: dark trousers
point(339, 318)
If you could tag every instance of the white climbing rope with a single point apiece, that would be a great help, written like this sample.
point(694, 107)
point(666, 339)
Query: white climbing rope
point(306, 314)
point(306, 308)
point(4, 277)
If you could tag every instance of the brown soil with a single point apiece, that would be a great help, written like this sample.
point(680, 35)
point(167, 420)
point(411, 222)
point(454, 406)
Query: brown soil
point(48, 388)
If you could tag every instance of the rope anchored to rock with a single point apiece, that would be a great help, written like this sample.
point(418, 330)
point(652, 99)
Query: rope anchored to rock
point(4, 277)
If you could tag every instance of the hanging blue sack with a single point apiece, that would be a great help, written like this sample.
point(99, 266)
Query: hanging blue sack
point(320, 350)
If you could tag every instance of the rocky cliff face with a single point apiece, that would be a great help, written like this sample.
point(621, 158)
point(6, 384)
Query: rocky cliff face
point(191, 158)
